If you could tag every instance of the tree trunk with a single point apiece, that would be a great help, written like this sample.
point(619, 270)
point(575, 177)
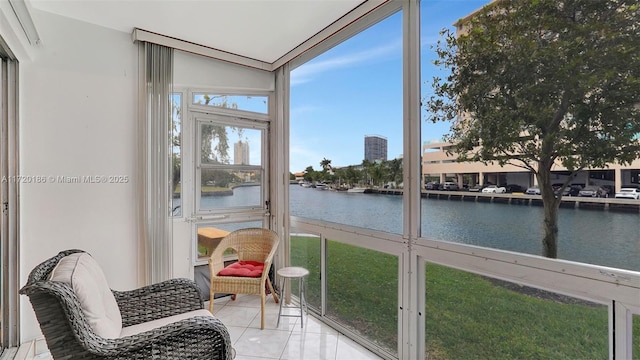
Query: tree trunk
point(551, 205)
point(550, 239)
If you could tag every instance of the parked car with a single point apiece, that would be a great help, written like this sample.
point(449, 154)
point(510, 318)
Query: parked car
point(495, 189)
point(449, 185)
point(572, 190)
point(594, 191)
point(511, 188)
point(628, 193)
point(611, 191)
point(476, 188)
point(433, 185)
point(534, 190)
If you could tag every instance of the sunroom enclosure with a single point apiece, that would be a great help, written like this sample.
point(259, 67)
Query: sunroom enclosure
point(563, 297)
point(398, 292)
point(394, 313)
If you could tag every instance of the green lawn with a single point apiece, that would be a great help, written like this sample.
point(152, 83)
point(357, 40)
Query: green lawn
point(467, 316)
point(362, 287)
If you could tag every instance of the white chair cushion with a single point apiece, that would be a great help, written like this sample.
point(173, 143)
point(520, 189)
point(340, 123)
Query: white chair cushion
point(87, 280)
point(150, 325)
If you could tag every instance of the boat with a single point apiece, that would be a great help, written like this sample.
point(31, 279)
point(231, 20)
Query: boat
point(356, 190)
point(322, 186)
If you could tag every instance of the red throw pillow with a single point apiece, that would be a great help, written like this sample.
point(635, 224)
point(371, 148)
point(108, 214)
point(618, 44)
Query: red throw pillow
point(243, 269)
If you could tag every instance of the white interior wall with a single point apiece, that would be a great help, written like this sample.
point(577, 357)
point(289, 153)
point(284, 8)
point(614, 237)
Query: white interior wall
point(78, 117)
point(199, 72)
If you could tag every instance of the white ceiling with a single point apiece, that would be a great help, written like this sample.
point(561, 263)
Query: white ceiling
point(263, 30)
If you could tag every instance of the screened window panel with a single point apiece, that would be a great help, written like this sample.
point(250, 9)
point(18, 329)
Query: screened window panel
point(258, 104)
point(471, 316)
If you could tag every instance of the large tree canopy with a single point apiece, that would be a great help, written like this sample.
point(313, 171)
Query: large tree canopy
point(538, 82)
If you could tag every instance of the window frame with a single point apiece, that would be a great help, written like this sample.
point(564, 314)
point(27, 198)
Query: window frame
point(204, 107)
point(198, 114)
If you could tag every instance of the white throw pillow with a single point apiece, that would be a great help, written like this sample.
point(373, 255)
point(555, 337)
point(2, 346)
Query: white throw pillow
point(154, 324)
point(88, 282)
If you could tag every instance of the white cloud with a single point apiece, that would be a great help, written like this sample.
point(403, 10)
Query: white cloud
point(309, 71)
point(299, 111)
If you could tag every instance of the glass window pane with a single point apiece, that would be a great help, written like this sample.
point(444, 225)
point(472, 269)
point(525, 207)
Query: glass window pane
point(518, 227)
point(515, 220)
point(228, 188)
point(176, 153)
point(305, 252)
point(253, 103)
point(235, 145)
point(346, 131)
point(471, 316)
point(362, 292)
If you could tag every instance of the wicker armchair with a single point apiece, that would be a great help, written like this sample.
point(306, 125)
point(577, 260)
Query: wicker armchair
point(251, 244)
point(69, 334)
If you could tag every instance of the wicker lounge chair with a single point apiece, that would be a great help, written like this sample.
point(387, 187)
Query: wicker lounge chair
point(71, 334)
point(252, 245)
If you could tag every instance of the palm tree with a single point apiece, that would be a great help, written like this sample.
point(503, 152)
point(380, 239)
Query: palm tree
point(377, 174)
point(326, 164)
point(352, 176)
point(310, 175)
point(367, 167)
point(394, 171)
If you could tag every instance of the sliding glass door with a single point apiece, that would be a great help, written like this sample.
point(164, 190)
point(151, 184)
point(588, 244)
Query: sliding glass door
point(8, 199)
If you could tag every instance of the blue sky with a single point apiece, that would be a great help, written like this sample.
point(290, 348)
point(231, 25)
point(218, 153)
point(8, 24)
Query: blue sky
point(355, 89)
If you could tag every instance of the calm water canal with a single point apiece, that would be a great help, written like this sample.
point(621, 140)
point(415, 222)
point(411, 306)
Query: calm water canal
point(591, 236)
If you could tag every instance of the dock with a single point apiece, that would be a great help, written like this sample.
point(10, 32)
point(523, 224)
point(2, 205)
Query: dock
point(571, 202)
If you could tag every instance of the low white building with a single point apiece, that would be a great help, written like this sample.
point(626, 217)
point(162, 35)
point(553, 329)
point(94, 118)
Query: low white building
point(439, 165)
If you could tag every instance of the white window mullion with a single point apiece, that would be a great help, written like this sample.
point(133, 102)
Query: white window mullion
point(621, 336)
point(411, 340)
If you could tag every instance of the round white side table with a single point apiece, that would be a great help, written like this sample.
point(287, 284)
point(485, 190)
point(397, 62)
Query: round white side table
point(292, 273)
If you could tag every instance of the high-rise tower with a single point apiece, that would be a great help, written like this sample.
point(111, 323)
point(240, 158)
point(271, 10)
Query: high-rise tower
point(241, 153)
point(375, 148)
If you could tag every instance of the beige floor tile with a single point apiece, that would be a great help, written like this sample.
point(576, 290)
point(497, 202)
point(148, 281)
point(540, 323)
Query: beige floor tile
point(311, 346)
point(237, 315)
point(315, 341)
point(262, 343)
point(350, 350)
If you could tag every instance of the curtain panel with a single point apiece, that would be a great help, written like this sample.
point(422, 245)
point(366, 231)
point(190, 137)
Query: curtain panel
point(155, 123)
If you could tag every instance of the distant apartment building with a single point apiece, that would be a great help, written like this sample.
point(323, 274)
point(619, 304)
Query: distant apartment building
point(375, 148)
point(438, 164)
point(241, 153)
